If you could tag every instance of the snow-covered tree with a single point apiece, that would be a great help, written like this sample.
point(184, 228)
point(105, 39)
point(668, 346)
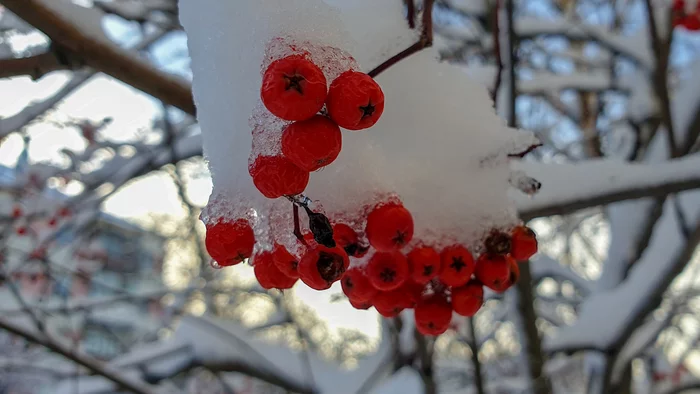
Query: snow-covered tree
point(106, 284)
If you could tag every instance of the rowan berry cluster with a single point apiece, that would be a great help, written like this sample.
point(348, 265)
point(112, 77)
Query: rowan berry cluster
point(295, 89)
point(686, 14)
point(401, 272)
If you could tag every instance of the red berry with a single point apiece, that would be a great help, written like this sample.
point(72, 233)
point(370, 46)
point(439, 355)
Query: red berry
point(390, 303)
point(357, 286)
point(293, 88)
point(468, 299)
point(285, 261)
point(493, 271)
point(387, 270)
point(230, 243)
point(321, 266)
point(524, 243)
point(64, 212)
point(355, 101)
point(691, 22)
point(348, 239)
point(276, 176)
point(457, 265)
point(21, 230)
point(362, 305)
point(52, 222)
point(433, 315)
point(512, 277)
point(313, 143)
point(267, 273)
point(424, 263)
point(16, 212)
point(389, 227)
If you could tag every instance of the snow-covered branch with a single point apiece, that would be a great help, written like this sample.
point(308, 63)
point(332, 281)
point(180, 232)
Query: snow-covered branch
point(77, 31)
point(110, 373)
point(599, 182)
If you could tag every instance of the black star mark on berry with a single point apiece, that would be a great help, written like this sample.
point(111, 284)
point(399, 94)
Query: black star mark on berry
point(427, 270)
point(458, 263)
point(387, 275)
point(348, 283)
point(294, 82)
point(400, 238)
point(367, 110)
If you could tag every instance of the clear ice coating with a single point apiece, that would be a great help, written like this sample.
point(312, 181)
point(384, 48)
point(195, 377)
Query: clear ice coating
point(439, 146)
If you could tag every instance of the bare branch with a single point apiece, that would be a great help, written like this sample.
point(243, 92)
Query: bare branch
point(36, 66)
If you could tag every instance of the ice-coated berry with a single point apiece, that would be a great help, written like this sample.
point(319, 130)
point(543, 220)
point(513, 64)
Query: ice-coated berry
point(267, 273)
point(348, 239)
point(387, 270)
point(389, 227)
point(230, 243)
point(313, 143)
point(357, 286)
point(492, 270)
point(424, 263)
point(285, 261)
point(355, 101)
point(468, 299)
point(293, 88)
point(276, 176)
point(321, 266)
point(457, 265)
point(523, 244)
point(433, 315)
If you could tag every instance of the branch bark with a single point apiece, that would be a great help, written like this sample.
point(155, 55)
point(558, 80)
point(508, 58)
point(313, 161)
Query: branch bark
point(91, 364)
point(103, 56)
point(38, 65)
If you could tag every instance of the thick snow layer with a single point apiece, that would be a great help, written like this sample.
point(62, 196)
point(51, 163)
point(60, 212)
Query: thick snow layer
point(439, 146)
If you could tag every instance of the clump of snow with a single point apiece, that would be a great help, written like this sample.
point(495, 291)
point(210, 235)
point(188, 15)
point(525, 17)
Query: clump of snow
point(439, 146)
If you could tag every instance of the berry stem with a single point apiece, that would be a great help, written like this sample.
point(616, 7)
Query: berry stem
point(425, 40)
point(297, 229)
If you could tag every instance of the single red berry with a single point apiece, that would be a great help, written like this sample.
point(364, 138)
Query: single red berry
point(21, 230)
point(389, 227)
point(390, 303)
point(348, 239)
point(355, 101)
point(493, 271)
point(468, 299)
point(293, 88)
point(433, 315)
point(321, 266)
point(52, 222)
point(691, 22)
point(285, 261)
point(512, 277)
point(16, 212)
point(524, 243)
point(361, 305)
point(267, 273)
point(498, 243)
point(387, 270)
point(230, 243)
point(313, 143)
point(276, 176)
point(424, 263)
point(457, 265)
point(357, 286)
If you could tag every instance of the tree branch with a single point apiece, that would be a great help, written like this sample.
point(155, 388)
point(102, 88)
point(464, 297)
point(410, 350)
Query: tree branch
point(425, 40)
point(102, 55)
point(110, 373)
point(38, 65)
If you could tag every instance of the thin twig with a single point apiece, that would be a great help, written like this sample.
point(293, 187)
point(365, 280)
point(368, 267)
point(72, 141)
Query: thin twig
point(425, 41)
point(411, 13)
point(497, 50)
